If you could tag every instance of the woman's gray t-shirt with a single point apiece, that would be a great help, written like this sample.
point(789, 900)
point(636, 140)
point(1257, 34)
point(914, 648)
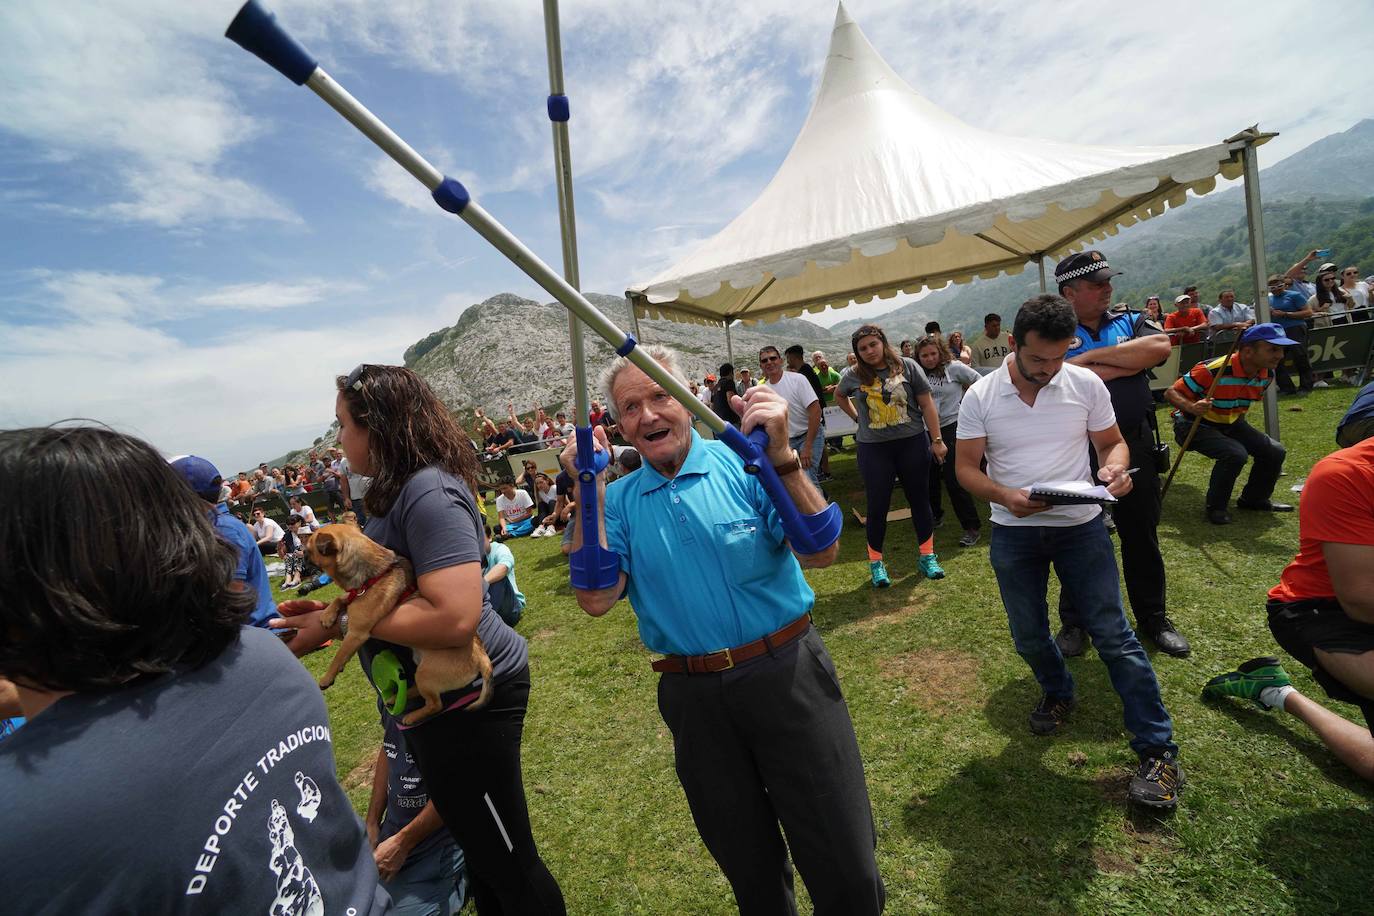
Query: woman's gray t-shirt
point(435, 523)
point(887, 408)
point(948, 389)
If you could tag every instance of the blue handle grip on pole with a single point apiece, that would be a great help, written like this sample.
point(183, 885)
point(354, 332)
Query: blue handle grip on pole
point(807, 533)
point(591, 566)
point(256, 30)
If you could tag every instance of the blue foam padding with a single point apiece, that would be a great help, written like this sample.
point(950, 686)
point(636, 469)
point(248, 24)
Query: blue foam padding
point(257, 31)
point(629, 344)
point(451, 195)
point(591, 566)
point(558, 108)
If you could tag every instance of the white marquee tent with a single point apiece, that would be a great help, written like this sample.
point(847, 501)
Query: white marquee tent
point(884, 193)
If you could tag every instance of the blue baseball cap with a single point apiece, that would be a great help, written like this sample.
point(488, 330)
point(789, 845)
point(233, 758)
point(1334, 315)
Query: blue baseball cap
point(1269, 333)
point(202, 476)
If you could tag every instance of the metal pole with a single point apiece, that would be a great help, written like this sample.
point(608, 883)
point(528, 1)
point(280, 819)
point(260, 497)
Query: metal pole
point(1255, 221)
point(567, 217)
point(1041, 262)
point(729, 347)
point(634, 318)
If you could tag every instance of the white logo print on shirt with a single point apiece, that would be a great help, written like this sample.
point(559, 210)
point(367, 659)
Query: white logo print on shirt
point(311, 796)
point(297, 892)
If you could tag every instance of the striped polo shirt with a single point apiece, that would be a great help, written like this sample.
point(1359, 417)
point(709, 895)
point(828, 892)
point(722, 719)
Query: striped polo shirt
point(1234, 394)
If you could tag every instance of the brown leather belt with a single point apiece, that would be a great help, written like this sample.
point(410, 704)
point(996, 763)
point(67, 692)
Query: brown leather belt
point(725, 659)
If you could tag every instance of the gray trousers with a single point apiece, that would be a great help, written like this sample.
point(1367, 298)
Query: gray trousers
point(770, 744)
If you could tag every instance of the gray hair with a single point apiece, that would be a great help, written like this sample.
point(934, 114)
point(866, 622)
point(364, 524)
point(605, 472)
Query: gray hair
point(660, 354)
point(817, 354)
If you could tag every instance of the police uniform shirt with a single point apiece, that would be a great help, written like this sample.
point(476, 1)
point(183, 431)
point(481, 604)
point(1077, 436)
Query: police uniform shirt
point(1131, 398)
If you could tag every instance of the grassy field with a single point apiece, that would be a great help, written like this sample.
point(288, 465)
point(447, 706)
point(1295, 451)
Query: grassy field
point(974, 814)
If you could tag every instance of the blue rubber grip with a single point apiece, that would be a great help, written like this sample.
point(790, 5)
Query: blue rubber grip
point(558, 108)
point(591, 566)
point(807, 533)
point(451, 195)
point(256, 30)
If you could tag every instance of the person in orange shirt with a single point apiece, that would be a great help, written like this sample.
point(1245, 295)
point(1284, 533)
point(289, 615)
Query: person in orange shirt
point(1186, 322)
point(1322, 610)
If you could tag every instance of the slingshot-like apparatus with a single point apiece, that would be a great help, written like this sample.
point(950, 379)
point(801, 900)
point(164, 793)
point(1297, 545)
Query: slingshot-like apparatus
point(592, 567)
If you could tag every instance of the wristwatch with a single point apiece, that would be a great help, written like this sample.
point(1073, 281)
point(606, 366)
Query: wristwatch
point(789, 467)
point(936, 439)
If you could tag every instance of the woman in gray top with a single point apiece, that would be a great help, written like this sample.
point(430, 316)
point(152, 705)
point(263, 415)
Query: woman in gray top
point(948, 378)
point(887, 395)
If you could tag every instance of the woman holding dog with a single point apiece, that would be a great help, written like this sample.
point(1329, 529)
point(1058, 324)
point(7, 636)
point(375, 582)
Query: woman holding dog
point(422, 505)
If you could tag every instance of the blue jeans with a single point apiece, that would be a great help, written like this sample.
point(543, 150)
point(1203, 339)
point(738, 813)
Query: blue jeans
point(1083, 560)
point(817, 451)
point(435, 883)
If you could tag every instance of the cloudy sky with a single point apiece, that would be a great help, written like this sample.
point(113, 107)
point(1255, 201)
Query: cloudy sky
point(192, 246)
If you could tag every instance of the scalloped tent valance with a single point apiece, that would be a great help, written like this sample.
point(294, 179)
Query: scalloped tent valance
point(885, 193)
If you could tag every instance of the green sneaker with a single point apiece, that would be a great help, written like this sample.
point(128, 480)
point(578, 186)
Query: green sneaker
point(1249, 680)
point(930, 566)
point(878, 572)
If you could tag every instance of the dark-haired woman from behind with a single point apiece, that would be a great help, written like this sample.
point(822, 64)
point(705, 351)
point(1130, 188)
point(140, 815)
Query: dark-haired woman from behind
point(421, 504)
point(173, 760)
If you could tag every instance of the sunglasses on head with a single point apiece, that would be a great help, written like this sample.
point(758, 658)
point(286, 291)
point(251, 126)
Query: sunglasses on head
point(355, 378)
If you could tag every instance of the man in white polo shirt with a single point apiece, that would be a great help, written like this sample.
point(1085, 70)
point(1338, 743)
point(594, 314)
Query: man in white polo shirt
point(803, 410)
point(1033, 419)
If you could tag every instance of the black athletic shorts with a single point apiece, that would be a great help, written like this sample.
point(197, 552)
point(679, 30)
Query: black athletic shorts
point(1320, 623)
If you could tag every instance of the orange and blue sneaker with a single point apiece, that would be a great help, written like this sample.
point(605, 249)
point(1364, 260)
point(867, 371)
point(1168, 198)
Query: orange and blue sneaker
point(878, 572)
point(1249, 680)
point(930, 566)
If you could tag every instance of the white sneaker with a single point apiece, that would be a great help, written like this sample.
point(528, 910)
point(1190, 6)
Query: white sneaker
point(1320, 384)
point(540, 532)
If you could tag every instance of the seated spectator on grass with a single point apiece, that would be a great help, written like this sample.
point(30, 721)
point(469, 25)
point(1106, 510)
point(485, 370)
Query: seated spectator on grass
point(515, 509)
point(1322, 610)
point(250, 572)
point(419, 864)
point(309, 522)
point(1222, 433)
point(1186, 322)
point(525, 479)
point(498, 569)
point(545, 499)
point(554, 520)
point(292, 551)
point(266, 532)
point(146, 683)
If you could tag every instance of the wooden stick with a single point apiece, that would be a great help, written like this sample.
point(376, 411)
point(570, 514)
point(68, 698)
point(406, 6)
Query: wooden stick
point(1192, 430)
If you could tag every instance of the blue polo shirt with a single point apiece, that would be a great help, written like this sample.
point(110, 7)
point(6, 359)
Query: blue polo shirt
point(1131, 397)
point(251, 571)
point(705, 555)
point(1290, 301)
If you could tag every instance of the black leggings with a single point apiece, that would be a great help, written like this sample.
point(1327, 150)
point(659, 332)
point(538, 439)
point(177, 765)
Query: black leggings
point(883, 463)
point(470, 762)
point(943, 475)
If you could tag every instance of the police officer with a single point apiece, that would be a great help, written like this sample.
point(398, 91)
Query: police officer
point(1121, 346)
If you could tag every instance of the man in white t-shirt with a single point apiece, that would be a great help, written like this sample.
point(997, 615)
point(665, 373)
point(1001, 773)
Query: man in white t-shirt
point(803, 410)
point(1033, 419)
point(991, 347)
point(515, 508)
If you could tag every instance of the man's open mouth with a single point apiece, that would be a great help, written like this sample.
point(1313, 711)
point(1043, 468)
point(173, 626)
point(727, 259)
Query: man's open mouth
point(656, 435)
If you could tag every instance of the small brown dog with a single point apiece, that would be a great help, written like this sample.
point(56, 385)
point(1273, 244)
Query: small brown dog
point(377, 580)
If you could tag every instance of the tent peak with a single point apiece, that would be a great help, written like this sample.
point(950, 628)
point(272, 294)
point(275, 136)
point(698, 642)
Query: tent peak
point(842, 16)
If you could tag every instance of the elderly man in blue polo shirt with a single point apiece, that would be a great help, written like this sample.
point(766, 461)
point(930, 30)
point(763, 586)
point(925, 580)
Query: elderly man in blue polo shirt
point(204, 480)
point(761, 733)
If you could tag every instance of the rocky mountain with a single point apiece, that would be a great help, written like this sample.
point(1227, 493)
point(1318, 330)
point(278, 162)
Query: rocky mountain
point(513, 350)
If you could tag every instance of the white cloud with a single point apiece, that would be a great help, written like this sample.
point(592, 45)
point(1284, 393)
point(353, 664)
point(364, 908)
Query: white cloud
point(124, 89)
point(236, 400)
point(274, 295)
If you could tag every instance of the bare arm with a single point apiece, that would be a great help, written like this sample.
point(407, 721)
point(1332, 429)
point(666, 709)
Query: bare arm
point(1298, 269)
point(1352, 573)
point(9, 700)
point(1185, 401)
point(1113, 457)
point(444, 614)
point(376, 802)
point(391, 853)
point(926, 401)
point(845, 404)
point(497, 572)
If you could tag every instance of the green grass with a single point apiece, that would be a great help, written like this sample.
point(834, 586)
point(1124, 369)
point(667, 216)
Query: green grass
point(974, 814)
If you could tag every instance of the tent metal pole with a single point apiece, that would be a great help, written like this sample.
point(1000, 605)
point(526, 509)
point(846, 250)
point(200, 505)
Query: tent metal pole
point(1040, 261)
point(634, 317)
point(1254, 219)
point(567, 216)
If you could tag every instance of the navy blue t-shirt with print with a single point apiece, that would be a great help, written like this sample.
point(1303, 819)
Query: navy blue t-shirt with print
point(406, 795)
point(206, 791)
point(435, 523)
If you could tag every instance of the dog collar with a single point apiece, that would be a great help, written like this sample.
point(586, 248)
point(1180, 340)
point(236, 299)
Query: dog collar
point(361, 590)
